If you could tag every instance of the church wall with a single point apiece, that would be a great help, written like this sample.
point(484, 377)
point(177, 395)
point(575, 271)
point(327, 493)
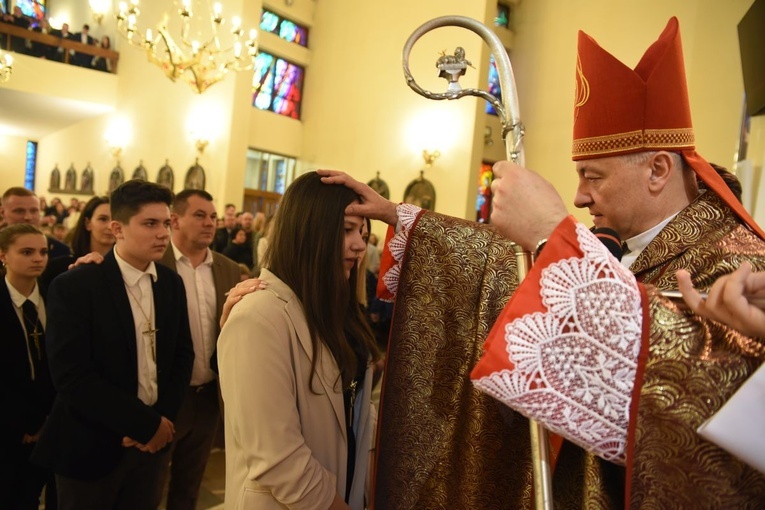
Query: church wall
point(545, 59)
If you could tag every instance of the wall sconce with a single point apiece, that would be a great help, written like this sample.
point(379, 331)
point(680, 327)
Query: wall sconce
point(201, 144)
point(117, 136)
point(99, 8)
point(430, 157)
point(203, 124)
point(116, 152)
point(6, 66)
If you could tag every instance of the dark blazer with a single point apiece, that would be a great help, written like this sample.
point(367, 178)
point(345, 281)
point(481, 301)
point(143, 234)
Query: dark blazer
point(221, 240)
point(57, 249)
point(25, 403)
point(225, 275)
point(241, 253)
point(92, 354)
point(82, 59)
point(59, 52)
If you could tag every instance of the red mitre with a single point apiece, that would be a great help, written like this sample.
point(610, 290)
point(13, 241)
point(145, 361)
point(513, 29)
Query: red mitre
point(619, 110)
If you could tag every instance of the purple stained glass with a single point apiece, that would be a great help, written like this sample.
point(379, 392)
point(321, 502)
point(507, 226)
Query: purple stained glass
point(32, 8)
point(493, 85)
point(277, 85)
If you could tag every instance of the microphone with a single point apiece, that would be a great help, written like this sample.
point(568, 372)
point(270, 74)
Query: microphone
point(611, 240)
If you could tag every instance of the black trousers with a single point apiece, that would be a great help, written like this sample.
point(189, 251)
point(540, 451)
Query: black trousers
point(195, 429)
point(131, 486)
point(22, 482)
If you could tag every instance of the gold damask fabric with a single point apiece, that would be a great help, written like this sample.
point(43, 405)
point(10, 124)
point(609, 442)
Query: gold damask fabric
point(442, 444)
point(694, 366)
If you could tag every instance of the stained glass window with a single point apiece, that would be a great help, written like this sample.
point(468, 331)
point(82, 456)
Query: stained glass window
point(30, 169)
point(503, 16)
point(32, 8)
point(493, 85)
point(284, 28)
point(277, 85)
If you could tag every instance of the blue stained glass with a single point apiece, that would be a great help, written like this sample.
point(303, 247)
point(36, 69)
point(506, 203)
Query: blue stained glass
point(284, 28)
point(493, 85)
point(269, 21)
point(30, 168)
point(287, 30)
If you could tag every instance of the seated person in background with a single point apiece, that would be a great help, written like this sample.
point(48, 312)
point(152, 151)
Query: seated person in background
point(239, 250)
point(60, 53)
point(40, 49)
point(102, 63)
point(224, 234)
point(18, 44)
point(83, 59)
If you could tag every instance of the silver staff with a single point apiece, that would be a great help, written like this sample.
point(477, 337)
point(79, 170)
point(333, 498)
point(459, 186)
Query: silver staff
point(451, 67)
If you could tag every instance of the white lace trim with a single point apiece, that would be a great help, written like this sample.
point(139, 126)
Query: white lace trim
point(575, 365)
point(407, 214)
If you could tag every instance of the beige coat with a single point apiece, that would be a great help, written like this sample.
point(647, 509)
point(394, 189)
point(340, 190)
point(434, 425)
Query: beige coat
point(286, 446)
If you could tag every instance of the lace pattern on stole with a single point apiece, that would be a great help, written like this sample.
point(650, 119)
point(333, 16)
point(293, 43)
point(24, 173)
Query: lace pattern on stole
point(407, 214)
point(575, 365)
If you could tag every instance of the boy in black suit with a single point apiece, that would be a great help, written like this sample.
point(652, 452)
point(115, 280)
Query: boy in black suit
point(120, 356)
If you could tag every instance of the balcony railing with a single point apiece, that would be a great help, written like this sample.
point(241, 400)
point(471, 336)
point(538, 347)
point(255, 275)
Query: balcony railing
point(52, 42)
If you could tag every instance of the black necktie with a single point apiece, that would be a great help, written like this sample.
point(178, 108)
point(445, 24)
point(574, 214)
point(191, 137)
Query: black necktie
point(35, 332)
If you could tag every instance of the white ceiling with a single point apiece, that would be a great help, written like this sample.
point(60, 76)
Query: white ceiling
point(33, 116)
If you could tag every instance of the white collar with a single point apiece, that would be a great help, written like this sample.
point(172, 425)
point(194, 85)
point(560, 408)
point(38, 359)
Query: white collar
point(637, 244)
point(130, 274)
point(178, 255)
point(18, 298)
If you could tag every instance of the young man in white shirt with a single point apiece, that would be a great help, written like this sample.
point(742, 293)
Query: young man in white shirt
point(120, 355)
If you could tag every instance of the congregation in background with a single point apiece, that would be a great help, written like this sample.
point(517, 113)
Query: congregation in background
point(191, 242)
point(55, 53)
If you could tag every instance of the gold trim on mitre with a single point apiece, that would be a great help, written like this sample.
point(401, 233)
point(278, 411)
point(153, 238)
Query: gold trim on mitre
point(649, 139)
point(582, 93)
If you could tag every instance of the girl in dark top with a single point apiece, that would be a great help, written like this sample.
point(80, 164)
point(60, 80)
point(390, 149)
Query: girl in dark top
point(91, 234)
point(26, 390)
point(239, 250)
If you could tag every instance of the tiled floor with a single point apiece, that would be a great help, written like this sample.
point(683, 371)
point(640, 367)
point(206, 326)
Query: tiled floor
point(213, 483)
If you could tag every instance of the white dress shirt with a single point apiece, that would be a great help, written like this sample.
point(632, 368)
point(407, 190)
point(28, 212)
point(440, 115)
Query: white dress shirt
point(18, 299)
point(141, 298)
point(201, 302)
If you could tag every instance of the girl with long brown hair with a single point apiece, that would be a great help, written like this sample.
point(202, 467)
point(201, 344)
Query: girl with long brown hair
point(296, 363)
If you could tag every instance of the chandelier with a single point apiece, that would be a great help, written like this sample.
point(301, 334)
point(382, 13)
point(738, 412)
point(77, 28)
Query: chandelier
point(201, 63)
point(6, 66)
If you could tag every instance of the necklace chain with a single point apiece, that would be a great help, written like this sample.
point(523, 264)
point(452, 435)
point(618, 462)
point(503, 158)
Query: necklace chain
point(150, 332)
